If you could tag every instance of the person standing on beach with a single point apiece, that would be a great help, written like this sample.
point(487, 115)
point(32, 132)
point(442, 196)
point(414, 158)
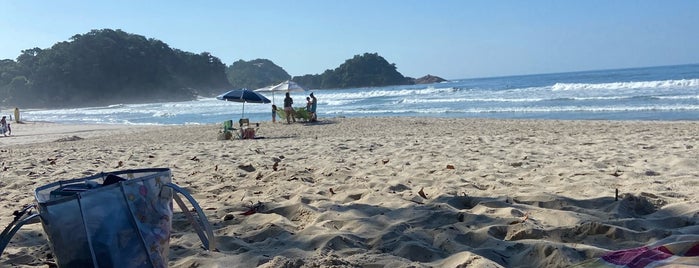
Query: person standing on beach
point(288, 101)
point(274, 113)
point(314, 105)
point(4, 126)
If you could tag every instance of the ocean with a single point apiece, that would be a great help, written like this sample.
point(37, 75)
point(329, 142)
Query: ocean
point(652, 93)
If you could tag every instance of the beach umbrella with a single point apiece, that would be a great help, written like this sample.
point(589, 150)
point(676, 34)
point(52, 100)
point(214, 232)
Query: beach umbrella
point(286, 86)
point(243, 95)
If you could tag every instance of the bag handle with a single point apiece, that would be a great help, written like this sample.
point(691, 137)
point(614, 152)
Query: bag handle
point(24, 216)
point(202, 226)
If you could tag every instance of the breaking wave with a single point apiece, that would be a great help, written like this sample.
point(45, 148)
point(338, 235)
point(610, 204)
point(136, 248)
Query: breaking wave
point(683, 83)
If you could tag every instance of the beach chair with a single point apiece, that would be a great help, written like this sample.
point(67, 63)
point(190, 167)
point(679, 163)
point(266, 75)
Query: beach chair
point(228, 125)
point(244, 122)
point(246, 130)
point(226, 133)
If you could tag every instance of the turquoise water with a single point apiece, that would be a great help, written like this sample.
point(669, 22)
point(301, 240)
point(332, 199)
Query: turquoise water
point(654, 93)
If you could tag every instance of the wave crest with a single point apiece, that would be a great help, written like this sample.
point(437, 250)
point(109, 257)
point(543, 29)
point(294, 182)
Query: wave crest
point(627, 85)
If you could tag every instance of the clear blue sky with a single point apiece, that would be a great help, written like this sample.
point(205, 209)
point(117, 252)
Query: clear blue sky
point(448, 38)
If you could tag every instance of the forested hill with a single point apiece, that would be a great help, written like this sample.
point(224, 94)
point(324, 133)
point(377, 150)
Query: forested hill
point(368, 70)
point(107, 67)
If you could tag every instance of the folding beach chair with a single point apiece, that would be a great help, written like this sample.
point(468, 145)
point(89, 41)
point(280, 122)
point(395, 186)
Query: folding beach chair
point(228, 125)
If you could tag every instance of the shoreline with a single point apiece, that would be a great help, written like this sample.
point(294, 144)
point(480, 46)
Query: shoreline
point(390, 191)
point(28, 132)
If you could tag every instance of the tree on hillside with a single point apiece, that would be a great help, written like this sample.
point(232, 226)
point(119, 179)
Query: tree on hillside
point(367, 70)
point(255, 74)
point(109, 66)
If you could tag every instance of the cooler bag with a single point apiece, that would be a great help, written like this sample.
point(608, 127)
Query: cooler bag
point(114, 219)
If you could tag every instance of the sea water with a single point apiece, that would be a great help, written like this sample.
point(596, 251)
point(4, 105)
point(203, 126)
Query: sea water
point(653, 93)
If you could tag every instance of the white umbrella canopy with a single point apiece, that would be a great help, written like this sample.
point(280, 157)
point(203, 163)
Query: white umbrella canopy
point(286, 86)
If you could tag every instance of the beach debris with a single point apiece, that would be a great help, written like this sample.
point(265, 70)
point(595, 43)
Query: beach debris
point(247, 167)
point(216, 168)
point(385, 161)
point(422, 193)
point(450, 166)
point(616, 194)
point(275, 166)
point(253, 208)
point(194, 159)
point(120, 164)
point(72, 138)
point(524, 219)
point(331, 191)
point(228, 217)
point(52, 161)
point(617, 173)
point(652, 173)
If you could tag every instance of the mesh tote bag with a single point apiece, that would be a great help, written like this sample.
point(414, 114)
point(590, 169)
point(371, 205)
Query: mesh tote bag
point(114, 219)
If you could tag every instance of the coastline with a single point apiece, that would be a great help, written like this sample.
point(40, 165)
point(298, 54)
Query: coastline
point(389, 191)
point(29, 132)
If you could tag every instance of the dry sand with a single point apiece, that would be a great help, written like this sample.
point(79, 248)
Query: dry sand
point(347, 192)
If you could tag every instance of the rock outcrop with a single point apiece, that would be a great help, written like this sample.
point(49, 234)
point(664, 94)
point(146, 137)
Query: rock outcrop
point(429, 79)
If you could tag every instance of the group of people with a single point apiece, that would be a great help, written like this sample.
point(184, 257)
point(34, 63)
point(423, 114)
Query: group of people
point(311, 105)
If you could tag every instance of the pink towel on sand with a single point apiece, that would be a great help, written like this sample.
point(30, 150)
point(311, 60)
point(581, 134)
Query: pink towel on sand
point(673, 254)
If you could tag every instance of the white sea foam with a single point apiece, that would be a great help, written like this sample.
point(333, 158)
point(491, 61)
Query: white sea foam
point(683, 83)
point(688, 97)
point(355, 94)
point(506, 97)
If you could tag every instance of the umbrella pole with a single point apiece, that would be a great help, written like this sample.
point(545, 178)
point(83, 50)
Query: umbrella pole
point(243, 115)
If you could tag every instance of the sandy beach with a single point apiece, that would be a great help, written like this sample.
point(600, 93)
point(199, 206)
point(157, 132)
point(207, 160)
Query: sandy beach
point(386, 192)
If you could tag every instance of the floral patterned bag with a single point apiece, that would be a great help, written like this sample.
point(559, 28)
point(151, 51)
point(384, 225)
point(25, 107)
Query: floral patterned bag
point(115, 219)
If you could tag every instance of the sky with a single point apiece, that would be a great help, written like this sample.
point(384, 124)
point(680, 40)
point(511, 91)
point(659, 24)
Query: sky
point(452, 39)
